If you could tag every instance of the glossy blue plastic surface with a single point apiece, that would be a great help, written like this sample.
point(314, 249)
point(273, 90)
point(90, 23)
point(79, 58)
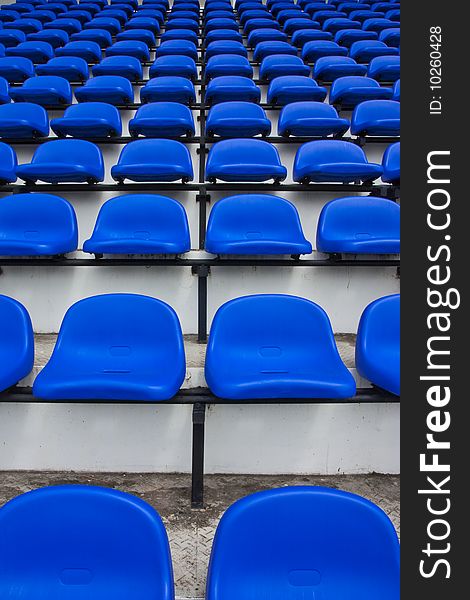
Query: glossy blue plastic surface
point(179, 34)
point(169, 89)
point(347, 37)
point(141, 35)
point(257, 24)
point(378, 25)
point(162, 119)
point(177, 47)
point(102, 37)
point(140, 224)
point(55, 37)
point(228, 88)
point(46, 90)
point(179, 66)
point(396, 91)
point(281, 65)
point(350, 91)
point(359, 225)
point(376, 117)
point(37, 224)
point(384, 68)
point(264, 49)
point(223, 34)
point(244, 160)
point(16, 69)
point(83, 542)
point(66, 24)
point(25, 121)
point(38, 52)
point(89, 51)
point(266, 35)
point(390, 36)
point(333, 161)
point(274, 346)
point(378, 343)
point(112, 89)
point(115, 347)
point(304, 542)
point(191, 24)
point(106, 23)
point(329, 68)
point(64, 161)
point(8, 164)
point(337, 24)
point(25, 25)
point(123, 66)
point(212, 24)
point(228, 65)
point(391, 164)
point(225, 47)
point(312, 51)
point(71, 68)
point(16, 354)
point(311, 119)
point(255, 224)
point(88, 120)
point(365, 51)
point(237, 119)
point(294, 88)
point(4, 91)
point(154, 160)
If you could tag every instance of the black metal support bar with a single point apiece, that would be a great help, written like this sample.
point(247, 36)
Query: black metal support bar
point(202, 272)
point(198, 447)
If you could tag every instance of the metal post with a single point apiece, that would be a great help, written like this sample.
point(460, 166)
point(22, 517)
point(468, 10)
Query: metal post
point(197, 469)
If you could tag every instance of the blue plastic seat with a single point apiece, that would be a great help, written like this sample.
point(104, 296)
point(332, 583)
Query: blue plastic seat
point(112, 89)
point(154, 160)
point(311, 119)
point(147, 23)
point(302, 36)
point(359, 225)
point(294, 88)
point(225, 47)
point(140, 224)
point(18, 7)
point(37, 225)
point(89, 51)
point(224, 65)
point(139, 35)
point(280, 65)
point(102, 37)
point(55, 37)
point(91, 7)
point(378, 343)
point(324, 15)
point(364, 51)
point(383, 6)
point(66, 24)
point(16, 357)
point(118, 14)
point(63, 161)
point(312, 7)
point(212, 24)
point(314, 50)
point(123, 66)
point(71, 68)
point(183, 24)
point(7, 16)
point(219, 14)
point(244, 160)
point(391, 164)
point(88, 120)
point(129, 48)
point(255, 224)
point(46, 90)
point(300, 538)
point(169, 89)
point(8, 163)
point(113, 26)
point(390, 36)
point(25, 25)
point(352, 7)
point(4, 91)
point(16, 69)
point(329, 68)
point(333, 161)
point(264, 49)
point(252, 354)
point(257, 24)
point(237, 119)
point(246, 15)
point(66, 525)
point(266, 35)
point(116, 347)
point(11, 37)
point(162, 120)
point(179, 34)
point(347, 37)
point(288, 14)
point(232, 88)
point(293, 25)
point(177, 47)
point(37, 52)
point(377, 25)
point(376, 117)
point(384, 68)
point(350, 91)
point(25, 121)
point(178, 66)
point(334, 25)
point(153, 13)
point(396, 91)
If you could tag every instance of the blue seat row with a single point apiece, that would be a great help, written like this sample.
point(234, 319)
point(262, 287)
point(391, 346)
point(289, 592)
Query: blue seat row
point(243, 159)
point(153, 224)
point(122, 541)
point(127, 346)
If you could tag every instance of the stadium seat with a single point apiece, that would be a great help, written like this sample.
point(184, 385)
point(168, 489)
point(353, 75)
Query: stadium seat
point(396, 91)
point(313, 7)
point(376, 117)
point(182, 14)
point(212, 24)
point(123, 66)
point(46, 90)
point(88, 120)
point(300, 538)
point(117, 14)
point(7, 16)
point(257, 24)
point(178, 66)
point(363, 14)
point(294, 88)
point(68, 25)
point(63, 161)
point(16, 69)
point(287, 14)
point(222, 34)
point(293, 25)
point(139, 35)
point(55, 37)
point(237, 119)
point(359, 225)
point(365, 51)
point(280, 65)
point(333, 161)
point(228, 65)
point(384, 6)
point(390, 36)
point(348, 92)
point(71, 68)
point(116, 347)
point(25, 25)
point(11, 37)
point(252, 354)
point(19, 8)
point(219, 14)
point(16, 353)
point(112, 89)
point(302, 36)
point(23, 121)
point(179, 34)
point(37, 225)
point(4, 91)
point(338, 24)
point(154, 160)
point(323, 15)
point(140, 224)
point(347, 37)
point(377, 25)
point(147, 23)
point(133, 49)
point(177, 48)
point(162, 120)
point(43, 16)
point(246, 15)
point(89, 51)
point(391, 164)
point(92, 7)
point(60, 8)
point(264, 49)
point(37, 52)
point(102, 37)
point(266, 35)
point(191, 24)
point(384, 68)
point(311, 119)
point(8, 164)
point(255, 224)
point(351, 7)
point(312, 51)
point(378, 344)
point(329, 68)
point(232, 88)
point(225, 47)
point(171, 89)
point(106, 23)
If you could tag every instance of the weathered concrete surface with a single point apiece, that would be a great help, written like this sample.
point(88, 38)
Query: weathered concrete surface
point(191, 531)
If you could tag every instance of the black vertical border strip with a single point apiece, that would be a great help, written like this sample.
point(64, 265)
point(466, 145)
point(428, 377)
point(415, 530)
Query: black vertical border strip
point(422, 133)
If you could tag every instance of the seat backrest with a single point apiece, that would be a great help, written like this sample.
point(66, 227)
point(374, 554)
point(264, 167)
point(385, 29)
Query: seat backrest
point(16, 349)
point(379, 327)
point(371, 110)
point(26, 111)
point(244, 151)
point(110, 82)
point(8, 161)
point(300, 110)
point(78, 152)
point(391, 159)
point(151, 151)
point(163, 110)
point(304, 542)
point(94, 110)
point(236, 110)
point(103, 542)
point(53, 82)
point(329, 152)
